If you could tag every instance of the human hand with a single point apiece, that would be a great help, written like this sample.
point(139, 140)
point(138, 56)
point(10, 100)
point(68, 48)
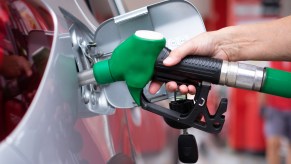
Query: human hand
point(13, 66)
point(265, 41)
point(210, 44)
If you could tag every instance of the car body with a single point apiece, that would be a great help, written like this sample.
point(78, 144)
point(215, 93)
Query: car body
point(44, 121)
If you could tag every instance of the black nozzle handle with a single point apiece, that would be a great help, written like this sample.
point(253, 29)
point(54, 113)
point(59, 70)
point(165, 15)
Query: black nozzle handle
point(190, 70)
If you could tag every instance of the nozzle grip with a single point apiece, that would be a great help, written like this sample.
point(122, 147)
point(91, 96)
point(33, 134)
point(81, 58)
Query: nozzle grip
point(189, 71)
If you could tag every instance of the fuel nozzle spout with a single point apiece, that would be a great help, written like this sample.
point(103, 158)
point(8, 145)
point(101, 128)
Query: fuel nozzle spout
point(139, 59)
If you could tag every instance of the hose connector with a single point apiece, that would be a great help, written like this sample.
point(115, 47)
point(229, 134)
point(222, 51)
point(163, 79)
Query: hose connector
point(241, 75)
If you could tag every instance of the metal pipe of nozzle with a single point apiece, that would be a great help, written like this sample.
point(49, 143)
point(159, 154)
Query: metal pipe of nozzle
point(86, 77)
point(241, 75)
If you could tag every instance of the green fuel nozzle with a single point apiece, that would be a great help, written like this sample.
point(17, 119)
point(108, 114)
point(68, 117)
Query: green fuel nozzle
point(132, 61)
point(139, 59)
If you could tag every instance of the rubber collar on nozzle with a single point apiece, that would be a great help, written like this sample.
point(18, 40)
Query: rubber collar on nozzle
point(132, 61)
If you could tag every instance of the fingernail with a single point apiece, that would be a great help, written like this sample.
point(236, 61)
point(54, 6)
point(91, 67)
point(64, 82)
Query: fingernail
point(169, 60)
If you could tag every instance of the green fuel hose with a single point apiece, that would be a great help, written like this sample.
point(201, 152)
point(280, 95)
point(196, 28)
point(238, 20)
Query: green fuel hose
point(277, 82)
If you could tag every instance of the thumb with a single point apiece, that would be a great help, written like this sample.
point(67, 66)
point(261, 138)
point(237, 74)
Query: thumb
point(191, 47)
point(179, 53)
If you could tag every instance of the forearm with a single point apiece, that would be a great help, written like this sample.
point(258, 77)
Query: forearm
point(262, 41)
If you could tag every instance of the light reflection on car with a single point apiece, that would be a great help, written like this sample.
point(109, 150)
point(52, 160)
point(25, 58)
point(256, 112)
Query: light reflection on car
point(22, 27)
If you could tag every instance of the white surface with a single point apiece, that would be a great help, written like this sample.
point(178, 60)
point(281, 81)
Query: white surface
point(152, 35)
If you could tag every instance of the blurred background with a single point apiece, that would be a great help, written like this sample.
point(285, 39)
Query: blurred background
point(242, 139)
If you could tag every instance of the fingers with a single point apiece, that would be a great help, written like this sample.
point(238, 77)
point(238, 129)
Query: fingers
point(171, 87)
point(191, 89)
point(187, 89)
point(154, 87)
point(183, 89)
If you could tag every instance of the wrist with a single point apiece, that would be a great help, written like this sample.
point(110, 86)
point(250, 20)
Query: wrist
point(239, 43)
point(226, 41)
